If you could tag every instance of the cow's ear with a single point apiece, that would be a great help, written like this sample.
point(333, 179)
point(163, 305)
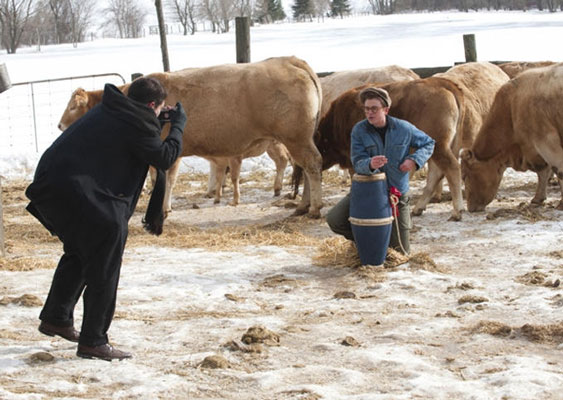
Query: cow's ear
point(466, 155)
point(80, 97)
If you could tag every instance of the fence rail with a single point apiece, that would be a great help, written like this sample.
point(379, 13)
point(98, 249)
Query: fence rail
point(31, 110)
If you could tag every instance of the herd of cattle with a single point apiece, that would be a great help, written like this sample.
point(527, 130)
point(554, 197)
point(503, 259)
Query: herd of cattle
point(483, 117)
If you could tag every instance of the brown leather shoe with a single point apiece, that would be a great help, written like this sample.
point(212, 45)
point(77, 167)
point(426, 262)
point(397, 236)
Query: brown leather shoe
point(103, 352)
point(66, 332)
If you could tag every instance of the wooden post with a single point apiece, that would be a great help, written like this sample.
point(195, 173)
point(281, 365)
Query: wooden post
point(470, 48)
point(162, 30)
point(5, 82)
point(243, 39)
point(2, 249)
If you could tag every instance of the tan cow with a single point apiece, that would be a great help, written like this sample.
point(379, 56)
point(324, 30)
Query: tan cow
point(479, 82)
point(524, 131)
point(513, 68)
point(338, 82)
point(233, 107)
point(82, 100)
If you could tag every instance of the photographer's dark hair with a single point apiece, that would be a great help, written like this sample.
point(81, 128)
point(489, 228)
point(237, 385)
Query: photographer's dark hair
point(145, 90)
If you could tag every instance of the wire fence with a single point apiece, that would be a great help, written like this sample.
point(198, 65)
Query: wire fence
point(31, 110)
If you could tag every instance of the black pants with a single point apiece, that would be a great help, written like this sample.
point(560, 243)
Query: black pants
point(91, 263)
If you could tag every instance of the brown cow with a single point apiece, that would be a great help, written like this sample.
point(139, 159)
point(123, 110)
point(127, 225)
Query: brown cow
point(513, 68)
point(446, 107)
point(524, 131)
point(233, 107)
point(338, 82)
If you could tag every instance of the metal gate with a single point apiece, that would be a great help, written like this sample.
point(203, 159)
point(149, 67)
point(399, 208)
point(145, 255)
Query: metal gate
point(30, 111)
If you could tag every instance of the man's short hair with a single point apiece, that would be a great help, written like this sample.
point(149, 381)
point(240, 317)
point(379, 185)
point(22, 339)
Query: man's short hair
point(376, 93)
point(146, 90)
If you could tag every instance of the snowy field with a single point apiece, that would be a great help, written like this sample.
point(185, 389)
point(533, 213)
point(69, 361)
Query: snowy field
point(475, 314)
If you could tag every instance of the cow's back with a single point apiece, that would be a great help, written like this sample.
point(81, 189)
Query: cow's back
point(536, 98)
point(479, 82)
point(338, 82)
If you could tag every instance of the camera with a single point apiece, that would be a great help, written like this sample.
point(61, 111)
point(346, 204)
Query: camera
point(166, 113)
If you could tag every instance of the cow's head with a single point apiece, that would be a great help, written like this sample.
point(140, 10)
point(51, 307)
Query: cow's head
point(481, 180)
point(76, 108)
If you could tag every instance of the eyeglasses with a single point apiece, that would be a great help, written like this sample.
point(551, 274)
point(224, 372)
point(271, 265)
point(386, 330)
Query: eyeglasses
point(373, 109)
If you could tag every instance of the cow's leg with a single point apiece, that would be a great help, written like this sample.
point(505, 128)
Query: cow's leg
point(443, 162)
point(541, 188)
point(437, 193)
point(235, 164)
point(171, 176)
point(220, 172)
point(551, 149)
point(560, 205)
point(278, 153)
point(308, 157)
point(432, 180)
point(211, 179)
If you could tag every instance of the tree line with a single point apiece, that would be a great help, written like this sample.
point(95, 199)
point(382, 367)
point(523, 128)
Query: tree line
point(39, 22)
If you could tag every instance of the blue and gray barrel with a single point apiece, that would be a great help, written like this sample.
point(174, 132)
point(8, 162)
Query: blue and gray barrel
point(370, 217)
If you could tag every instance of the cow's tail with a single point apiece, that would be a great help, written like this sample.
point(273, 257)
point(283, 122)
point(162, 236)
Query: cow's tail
point(297, 175)
point(306, 67)
point(296, 178)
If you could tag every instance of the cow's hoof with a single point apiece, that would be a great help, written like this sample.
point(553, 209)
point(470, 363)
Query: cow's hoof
point(314, 214)
point(300, 211)
point(560, 206)
point(455, 217)
point(417, 212)
point(233, 203)
point(277, 193)
point(216, 201)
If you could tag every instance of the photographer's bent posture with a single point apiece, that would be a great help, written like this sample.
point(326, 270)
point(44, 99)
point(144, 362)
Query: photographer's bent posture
point(85, 190)
point(381, 143)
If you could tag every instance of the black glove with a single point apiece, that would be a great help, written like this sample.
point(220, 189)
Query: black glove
point(178, 118)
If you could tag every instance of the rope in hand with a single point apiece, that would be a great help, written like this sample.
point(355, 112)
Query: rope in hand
point(394, 195)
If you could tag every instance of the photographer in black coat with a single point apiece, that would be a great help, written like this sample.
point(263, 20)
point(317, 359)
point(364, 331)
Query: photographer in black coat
point(85, 190)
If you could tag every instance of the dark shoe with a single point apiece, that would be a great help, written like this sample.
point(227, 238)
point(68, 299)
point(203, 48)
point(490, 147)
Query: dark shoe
point(103, 352)
point(66, 332)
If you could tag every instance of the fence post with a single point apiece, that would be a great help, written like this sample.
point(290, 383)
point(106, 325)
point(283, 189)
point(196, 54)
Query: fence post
point(135, 75)
point(470, 48)
point(5, 82)
point(2, 249)
point(243, 39)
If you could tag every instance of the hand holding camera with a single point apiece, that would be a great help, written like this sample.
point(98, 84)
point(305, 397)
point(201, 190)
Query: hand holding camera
point(175, 115)
point(166, 113)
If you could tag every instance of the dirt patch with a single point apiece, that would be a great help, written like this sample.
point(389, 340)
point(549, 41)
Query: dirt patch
point(26, 263)
point(529, 212)
point(260, 334)
point(551, 333)
point(215, 362)
point(472, 299)
point(26, 300)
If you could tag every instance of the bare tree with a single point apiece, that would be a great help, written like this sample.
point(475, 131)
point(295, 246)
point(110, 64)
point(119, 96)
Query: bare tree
point(14, 16)
point(186, 13)
point(80, 16)
point(59, 10)
point(209, 9)
point(226, 10)
point(127, 16)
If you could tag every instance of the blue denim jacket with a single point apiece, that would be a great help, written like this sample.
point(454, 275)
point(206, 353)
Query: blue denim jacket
point(400, 137)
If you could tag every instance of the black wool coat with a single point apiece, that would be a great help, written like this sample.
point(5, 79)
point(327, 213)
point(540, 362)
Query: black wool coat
point(93, 173)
